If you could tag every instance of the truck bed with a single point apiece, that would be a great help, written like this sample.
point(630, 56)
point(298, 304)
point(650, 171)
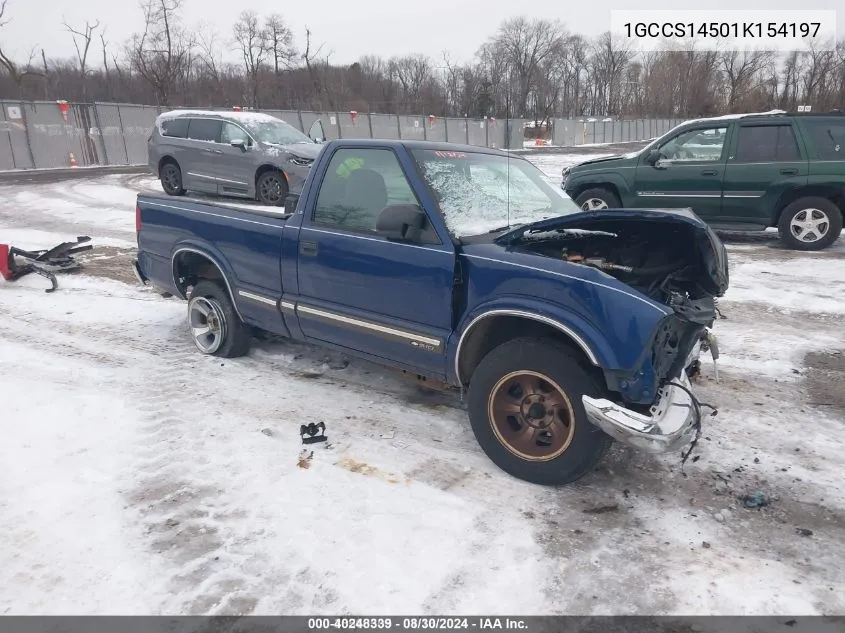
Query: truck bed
point(247, 241)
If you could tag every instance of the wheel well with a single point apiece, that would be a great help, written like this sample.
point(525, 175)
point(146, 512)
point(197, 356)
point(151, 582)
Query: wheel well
point(597, 185)
point(835, 194)
point(492, 331)
point(264, 169)
point(190, 267)
point(164, 161)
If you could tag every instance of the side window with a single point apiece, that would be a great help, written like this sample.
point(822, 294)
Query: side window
point(829, 138)
point(358, 185)
point(232, 132)
point(766, 144)
point(204, 130)
point(704, 144)
point(176, 128)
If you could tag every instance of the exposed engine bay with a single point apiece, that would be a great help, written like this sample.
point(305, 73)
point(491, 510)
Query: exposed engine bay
point(657, 258)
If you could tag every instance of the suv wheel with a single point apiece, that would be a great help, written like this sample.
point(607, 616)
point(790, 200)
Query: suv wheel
point(810, 224)
point(597, 199)
point(272, 189)
point(171, 179)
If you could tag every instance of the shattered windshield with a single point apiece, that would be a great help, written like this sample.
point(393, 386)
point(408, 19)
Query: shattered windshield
point(276, 132)
point(482, 193)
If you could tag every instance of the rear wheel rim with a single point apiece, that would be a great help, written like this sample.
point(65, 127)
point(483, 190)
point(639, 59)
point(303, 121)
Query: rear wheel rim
point(594, 204)
point(531, 416)
point(270, 189)
point(207, 323)
point(809, 225)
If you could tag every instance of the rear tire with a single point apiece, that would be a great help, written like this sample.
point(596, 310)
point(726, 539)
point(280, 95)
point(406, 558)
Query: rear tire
point(170, 176)
point(525, 408)
point(271, 189)
point(216, 328)
point(810, 224)
point(598, 199)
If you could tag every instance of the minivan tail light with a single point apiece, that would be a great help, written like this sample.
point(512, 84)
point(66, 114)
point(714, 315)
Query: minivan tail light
point(137, 218)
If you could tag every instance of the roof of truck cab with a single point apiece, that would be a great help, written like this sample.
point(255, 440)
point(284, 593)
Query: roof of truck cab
point(410, 144)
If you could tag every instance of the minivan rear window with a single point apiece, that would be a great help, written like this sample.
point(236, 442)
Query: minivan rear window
point(177, 128)
point(204, 129)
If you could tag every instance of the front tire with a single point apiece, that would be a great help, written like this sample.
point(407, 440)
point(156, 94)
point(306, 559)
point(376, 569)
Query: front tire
point(810, 224)
point(170, 176)
point(216, 328)
point(271, 189)
point(598, 199)
point(525, 409)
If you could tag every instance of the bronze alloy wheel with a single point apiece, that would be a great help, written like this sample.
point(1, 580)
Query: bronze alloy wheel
point(531, 416)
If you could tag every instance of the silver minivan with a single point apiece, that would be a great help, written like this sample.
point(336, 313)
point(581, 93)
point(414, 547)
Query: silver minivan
point(242, 154)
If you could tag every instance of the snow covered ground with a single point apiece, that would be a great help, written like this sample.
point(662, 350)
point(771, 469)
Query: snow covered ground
point(140, 477)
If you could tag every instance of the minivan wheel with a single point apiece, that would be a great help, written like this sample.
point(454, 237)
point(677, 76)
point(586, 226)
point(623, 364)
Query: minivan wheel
point(272, 189)
point(810, 224)
point(598, 199)
point(171, 179)
point(525, 409)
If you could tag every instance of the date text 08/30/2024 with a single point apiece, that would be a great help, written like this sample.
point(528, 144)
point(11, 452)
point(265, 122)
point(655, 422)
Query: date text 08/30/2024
point(417, 624)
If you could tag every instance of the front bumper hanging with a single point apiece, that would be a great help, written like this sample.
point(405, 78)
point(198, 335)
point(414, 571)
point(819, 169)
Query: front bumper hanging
point(670, 425)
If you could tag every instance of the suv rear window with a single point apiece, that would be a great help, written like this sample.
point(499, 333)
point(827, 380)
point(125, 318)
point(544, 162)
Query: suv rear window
point(177, 128)
point(766, 143)
point(829, 138)
point(204, 129)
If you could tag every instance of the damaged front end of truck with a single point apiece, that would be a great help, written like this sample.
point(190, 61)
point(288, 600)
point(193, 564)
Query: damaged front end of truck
point(673, 258)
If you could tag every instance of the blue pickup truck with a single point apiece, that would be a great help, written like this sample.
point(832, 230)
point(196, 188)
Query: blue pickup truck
point(467, 266)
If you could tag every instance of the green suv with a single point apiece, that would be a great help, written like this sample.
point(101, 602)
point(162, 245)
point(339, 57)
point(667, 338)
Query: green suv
point(743, 172)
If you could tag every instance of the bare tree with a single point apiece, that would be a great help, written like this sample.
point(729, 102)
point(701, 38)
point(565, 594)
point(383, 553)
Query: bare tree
point(524, 46)
point(82, 42)
point(741, 71)
point(160, 54)
point(279, 42)
point(310, 58)
point(17, 72)
point(253, 44)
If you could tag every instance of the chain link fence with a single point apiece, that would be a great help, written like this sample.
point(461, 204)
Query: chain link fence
point(56, 134)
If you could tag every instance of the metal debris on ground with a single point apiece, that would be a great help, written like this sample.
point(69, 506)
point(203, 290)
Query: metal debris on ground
point(313, 433)
point(16, 262)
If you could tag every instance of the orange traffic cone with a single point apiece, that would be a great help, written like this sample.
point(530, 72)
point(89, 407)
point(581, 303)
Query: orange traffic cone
point(73, 162)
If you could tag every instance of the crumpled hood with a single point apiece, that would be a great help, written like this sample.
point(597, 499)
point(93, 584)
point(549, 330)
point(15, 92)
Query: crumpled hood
point(713, 254)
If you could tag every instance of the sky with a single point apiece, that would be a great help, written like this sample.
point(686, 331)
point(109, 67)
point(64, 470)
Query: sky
point(349, 29)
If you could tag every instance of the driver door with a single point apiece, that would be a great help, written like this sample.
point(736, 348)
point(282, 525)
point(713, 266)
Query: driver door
point(361, 291)
point(688, 173)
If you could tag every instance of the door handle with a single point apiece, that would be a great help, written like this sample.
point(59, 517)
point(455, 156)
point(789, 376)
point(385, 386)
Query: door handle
point(308, 248)
point(789, 172)
point(213, 151)
point(709, 172)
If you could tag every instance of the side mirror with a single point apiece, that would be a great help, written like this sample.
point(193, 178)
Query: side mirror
point(317, 133)
point(401, 222)
point(652, 157)
point(239, 143)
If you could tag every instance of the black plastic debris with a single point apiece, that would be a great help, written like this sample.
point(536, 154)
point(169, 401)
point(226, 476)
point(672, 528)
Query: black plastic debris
point(313, 433)
point(804, 531)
